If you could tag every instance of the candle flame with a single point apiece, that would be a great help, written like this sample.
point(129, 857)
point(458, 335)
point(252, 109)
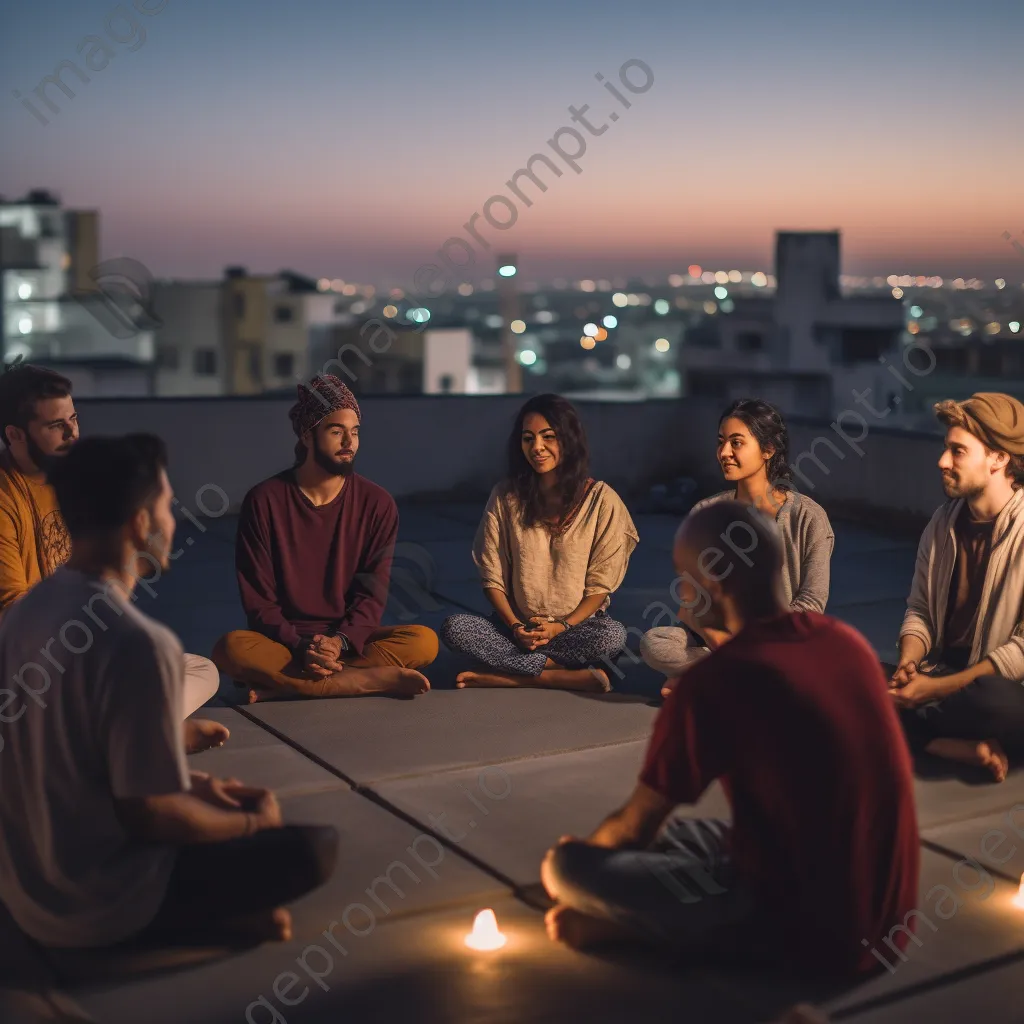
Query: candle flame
point(1018, 900)
point(485, 934)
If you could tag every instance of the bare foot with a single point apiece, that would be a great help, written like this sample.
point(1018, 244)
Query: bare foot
point(583, 680)
point(203, 733)
point(578, 931)
point(353, 682)
point(987, 754)
point(668, 687)
point(471, 680)
point(396, 682)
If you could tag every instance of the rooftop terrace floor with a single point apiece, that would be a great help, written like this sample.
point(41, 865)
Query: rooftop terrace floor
point(512, 771)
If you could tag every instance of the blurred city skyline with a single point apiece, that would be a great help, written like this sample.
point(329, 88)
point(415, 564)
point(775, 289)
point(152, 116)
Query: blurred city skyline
point(352, 142)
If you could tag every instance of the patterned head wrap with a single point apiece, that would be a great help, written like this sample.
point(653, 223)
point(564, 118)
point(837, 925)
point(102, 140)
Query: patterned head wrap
point(323, 395)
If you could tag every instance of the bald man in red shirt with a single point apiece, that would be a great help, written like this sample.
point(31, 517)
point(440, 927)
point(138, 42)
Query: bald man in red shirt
point(793, 716)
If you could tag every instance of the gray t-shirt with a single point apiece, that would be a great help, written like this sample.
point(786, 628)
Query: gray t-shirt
point(90, 712)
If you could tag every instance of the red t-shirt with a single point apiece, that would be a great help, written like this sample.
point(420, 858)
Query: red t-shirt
point(794, 716)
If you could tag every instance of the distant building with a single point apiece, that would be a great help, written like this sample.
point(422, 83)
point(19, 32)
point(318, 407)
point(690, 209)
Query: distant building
point(807, 347)
point(246, 334)
point(57, 309)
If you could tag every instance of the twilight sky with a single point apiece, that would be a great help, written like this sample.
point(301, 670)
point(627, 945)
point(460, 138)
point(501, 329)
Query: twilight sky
point(351, 139)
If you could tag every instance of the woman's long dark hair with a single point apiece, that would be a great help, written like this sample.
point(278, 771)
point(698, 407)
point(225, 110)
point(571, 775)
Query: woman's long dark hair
point(768, 428)
point(573, 468)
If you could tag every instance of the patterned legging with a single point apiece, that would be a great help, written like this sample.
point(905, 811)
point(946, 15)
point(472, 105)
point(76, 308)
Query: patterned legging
point(491, 643)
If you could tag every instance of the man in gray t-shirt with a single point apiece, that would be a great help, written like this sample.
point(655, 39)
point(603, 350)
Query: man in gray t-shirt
point(104, 832)
point(93, 715)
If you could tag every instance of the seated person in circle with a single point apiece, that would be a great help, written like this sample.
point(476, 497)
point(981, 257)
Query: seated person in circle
point(39, 428)
point(106, 837)
point(959, 683)
point(816, 772)
point(552, 548)
point(313, 558)
point(753, 446)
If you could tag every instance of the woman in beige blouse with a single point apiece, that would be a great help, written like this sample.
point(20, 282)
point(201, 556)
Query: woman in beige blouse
point(552, 547)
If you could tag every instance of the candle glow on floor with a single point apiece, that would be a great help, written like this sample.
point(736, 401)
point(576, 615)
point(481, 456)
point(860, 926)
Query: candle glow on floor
point(485, 934)
point(1018, 900)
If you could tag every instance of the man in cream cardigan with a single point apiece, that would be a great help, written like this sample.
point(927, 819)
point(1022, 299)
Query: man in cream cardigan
point(960, 679)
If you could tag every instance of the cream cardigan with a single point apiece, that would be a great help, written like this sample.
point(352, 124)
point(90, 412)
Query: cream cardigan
point(999, 634)
point(542, 573)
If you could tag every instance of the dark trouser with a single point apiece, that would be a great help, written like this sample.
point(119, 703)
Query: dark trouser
point(682, 893)
point(213, 883)
point(991, 708)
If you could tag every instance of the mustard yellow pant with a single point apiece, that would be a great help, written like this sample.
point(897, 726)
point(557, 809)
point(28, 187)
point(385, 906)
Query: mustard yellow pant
point(252, 659)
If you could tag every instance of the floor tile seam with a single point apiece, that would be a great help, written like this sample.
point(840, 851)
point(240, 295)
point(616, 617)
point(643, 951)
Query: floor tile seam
point(945, 851)
point(506, 881)
point(452, 769)
point(375, 798)
point(296, 746)
point(926, 985)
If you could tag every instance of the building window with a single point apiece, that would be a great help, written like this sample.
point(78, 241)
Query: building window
point(167, 357)
point(749, 341)
point(204, 362)
point(239, 306)
point(255, 368)
point(283, 314)
point(284, 364)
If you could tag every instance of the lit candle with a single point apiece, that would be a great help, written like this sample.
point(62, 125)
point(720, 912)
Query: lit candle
point(485, 934)
point(1018, 900)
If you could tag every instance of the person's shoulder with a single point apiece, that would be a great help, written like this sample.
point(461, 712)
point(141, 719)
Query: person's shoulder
point(502, 496)
point(804, 503)
point(137, 634)
point(602, 493)
point(805, 508)
point(271, 488)
point(1015, 508)
point(943, 517)
point(712, 500)
point(373, 494)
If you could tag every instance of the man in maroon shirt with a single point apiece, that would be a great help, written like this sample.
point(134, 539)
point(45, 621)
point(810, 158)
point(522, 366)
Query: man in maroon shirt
point(313, 554)
point(793, 715)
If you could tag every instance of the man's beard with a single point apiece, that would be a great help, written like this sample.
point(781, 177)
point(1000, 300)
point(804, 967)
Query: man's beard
point(43, 461)
point(958, 490)
point(331, 465)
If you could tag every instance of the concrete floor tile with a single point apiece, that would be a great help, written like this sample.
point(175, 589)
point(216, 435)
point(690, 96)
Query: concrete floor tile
point(996, 840)
point(260, 759)
point(509, 815)
point(376, 738)
point(942, 801)
point(993, 996)
point(982, 928)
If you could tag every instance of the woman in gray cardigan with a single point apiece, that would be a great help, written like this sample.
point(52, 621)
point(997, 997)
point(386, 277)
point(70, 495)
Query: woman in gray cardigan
point(753, 445)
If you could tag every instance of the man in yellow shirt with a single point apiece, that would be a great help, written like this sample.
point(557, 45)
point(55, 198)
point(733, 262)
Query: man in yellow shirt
point(38, 424)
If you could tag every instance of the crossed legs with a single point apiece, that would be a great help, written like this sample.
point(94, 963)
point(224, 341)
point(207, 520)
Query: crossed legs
point(568, 662)
point(388, 665)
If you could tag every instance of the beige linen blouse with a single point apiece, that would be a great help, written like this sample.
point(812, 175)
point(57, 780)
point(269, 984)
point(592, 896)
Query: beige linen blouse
point(546, 573)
